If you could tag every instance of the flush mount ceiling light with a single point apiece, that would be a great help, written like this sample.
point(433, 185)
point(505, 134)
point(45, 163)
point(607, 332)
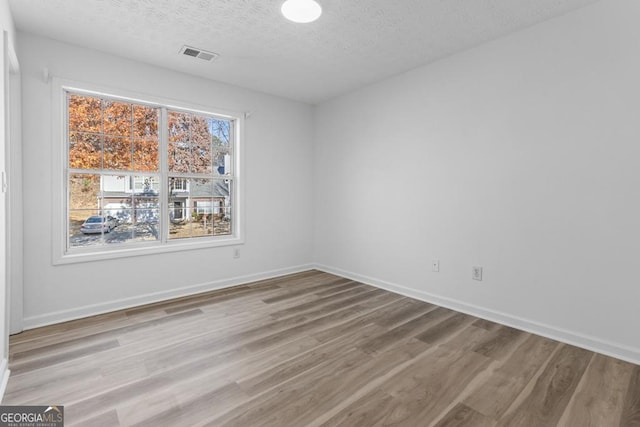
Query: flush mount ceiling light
point(301, 11)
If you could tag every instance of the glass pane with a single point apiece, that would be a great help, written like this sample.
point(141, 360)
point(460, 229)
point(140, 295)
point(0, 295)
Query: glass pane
point(180, 158)
point(86, 227)
point(117, 118)
point(222, 207)
point(146, 186)
point(147, 211)
point(117, 153)
point(222, 226)
point(116, 189)
point(203, 217)
point(221, 132)
point(178, 187)
point(123, 232)
point(85, 150)
point(200, 131)
point(118, 208)
point(85, 114)
point(145, 155)
point(201, 225)
point(178, 126)
point(201, 188)
point(145, 122)
point(87, 224)
point(222, 163)
point(146, 225)
point(179, 226)
point(84, 193)
point(202, 159)
point(179, 219)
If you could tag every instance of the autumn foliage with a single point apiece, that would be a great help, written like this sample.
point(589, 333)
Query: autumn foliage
point(120, 136)
point(105, 134)
point(197, 144)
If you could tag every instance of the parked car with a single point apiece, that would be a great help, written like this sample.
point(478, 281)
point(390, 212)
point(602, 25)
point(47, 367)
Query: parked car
point(99, 224)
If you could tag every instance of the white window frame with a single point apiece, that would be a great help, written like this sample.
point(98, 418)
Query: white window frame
point(62, 254)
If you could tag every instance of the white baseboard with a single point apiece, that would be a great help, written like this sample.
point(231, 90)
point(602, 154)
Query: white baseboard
point(4, 377)
point(120, 304)
point(577, 339)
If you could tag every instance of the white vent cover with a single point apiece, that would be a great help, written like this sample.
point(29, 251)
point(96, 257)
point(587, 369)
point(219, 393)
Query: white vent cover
point(198, 53)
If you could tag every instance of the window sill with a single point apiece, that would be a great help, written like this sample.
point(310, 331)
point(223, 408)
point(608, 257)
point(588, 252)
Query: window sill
point(79, 256)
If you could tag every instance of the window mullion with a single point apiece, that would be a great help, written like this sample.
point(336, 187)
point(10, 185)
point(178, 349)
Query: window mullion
point(164, 176)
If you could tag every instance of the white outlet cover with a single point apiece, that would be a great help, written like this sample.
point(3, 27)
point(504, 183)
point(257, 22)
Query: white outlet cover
point(476, 273)
point(435, 265)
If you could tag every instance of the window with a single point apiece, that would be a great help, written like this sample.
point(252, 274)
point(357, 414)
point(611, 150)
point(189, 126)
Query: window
point(199, 153)
point(159, 175)
point(180, 184)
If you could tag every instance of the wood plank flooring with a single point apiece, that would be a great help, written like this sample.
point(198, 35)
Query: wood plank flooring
point(313, 349)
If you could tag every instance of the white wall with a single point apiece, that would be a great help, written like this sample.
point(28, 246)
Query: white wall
point(278, 177)
point(521, 156)
point(7, 31)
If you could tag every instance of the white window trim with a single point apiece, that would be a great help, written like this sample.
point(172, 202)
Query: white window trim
point(59, 186)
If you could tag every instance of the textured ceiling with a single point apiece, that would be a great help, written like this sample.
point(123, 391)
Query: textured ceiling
point(354, 43)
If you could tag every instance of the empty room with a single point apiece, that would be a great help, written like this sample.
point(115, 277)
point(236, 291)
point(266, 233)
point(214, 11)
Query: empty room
point(320, 213)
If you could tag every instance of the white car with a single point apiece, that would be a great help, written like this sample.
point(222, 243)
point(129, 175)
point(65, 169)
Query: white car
point(99, 224)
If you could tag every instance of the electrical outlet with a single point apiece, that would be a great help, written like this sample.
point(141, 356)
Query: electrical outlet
point(236, 253)
point(476, 273)
point(435, 265)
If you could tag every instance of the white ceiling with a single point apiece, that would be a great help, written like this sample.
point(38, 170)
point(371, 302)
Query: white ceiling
point(354, 43)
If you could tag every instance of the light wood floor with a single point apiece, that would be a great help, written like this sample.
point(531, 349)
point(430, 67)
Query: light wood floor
point(313, 349)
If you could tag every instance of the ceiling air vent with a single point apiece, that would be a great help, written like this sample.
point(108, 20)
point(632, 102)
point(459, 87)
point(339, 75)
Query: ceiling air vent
point(198, 53)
